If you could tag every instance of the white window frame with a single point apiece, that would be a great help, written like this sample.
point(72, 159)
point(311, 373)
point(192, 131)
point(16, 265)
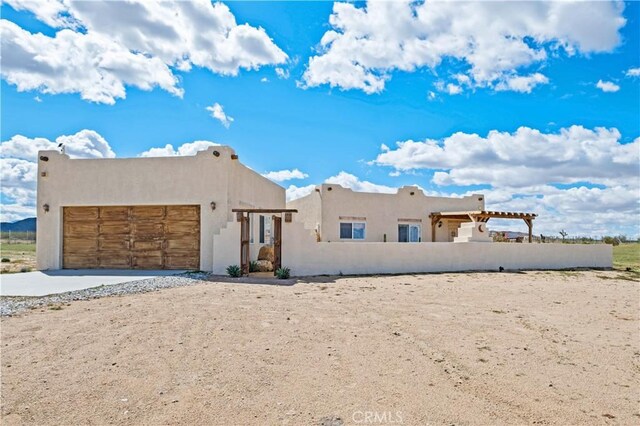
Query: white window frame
point(364, 230)
point(409, 226)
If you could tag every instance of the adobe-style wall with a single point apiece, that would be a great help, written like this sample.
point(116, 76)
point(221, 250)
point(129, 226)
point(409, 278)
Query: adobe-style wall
point(199, 179)
point(304, 256)
point(381, 212)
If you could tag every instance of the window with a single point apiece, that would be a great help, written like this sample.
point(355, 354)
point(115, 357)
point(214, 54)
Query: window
point(409, 233)
point(352, 231)
point(265, 230)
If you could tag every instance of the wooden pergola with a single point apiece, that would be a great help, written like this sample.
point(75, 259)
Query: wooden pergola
point(480, 216)
point(242, 216)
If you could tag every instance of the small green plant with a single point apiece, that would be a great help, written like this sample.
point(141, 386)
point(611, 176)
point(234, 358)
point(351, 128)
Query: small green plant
point(283, 273)
point(253, 266)
point(25, 269)
point(6, 260)
point(234, 271)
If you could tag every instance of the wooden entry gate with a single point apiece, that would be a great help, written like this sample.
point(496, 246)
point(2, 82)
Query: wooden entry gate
point(245, 235)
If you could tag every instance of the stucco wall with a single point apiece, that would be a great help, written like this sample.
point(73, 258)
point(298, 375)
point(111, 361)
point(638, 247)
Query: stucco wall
point(306, 257)
point(309, 210)
point(382, 211)
point(198, 179)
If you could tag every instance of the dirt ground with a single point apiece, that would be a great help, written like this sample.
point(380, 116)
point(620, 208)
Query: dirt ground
point(535, 347)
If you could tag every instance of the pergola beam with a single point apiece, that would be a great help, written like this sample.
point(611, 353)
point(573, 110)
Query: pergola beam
point(481, 216)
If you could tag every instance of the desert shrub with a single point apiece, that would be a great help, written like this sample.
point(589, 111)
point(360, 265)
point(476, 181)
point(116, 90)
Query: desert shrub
point(253, 266)
point(6, 260)
point(283, 273)
point(234, 271)
point(611, 240)
point(25, 269)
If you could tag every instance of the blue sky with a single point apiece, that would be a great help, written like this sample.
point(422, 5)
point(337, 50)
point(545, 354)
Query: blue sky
point(302, 122)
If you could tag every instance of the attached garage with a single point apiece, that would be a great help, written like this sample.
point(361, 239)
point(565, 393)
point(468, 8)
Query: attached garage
point(131, 237)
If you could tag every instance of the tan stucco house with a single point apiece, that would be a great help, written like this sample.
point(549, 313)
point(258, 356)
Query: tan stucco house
point(341, 214)
point(148, 213)
point(209, 211)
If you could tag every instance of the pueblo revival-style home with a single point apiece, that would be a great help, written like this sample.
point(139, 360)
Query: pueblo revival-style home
point(209, 211)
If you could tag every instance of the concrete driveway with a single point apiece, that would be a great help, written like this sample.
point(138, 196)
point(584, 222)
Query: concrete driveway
point(42, 283)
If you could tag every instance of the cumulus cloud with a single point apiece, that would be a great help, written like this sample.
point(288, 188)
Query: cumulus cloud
point(607, 86)
point(191, 148)
point(294, 192)
point(525, 157)
point(496, 41)
point(18, 164)
point(633, 72)
point(284, 175)
point(586, 179)
point(343, 178)
point(218, 113)
point(522, 84)
point(103, 47)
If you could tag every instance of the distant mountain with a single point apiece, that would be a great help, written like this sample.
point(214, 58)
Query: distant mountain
point(23, 225)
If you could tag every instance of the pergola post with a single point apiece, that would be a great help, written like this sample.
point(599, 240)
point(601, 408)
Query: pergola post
point(434, 220)
point(529, 223)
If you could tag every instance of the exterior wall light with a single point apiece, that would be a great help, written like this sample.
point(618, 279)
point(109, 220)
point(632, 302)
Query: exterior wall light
point(234, 156)
point(329, 188)
point(216, 153)
point(44, 158)
point(412, 193)
point(45, 207)
point(213, 205)
point(440, 224)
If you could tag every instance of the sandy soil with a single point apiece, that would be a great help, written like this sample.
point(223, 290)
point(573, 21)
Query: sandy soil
point(536, 347)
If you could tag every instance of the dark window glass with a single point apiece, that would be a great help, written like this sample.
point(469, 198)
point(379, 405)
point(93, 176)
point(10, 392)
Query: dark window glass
point(403, 233)
point(261, 229)
point(345, 231)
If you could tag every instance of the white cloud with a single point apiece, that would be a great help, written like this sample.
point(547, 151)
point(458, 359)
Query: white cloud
point(282, 73)
point(496, 40)
point(523, 158)
point(218, 113)
point(607, 86)
point(264, 80)
point(191, 148)
point(18, 163)
point(102, 47)
point(585, 180)
point(522, 84)
point(294, 192)
point(283, 175)
point(351, 181)
point(84, 144)
point(633, 72)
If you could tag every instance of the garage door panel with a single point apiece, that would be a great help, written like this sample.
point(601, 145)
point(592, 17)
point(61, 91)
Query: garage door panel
point(148, 262)
point(148, 245)
point(147, 212)
point(114, 243)
point(78, 245)
point(182, 244)
point(114, 213)
point(141, 237)
point(80, 213)
point(148, 229)
point(116, 260)
point(182, 262)
point(114, 228)
point(76, 261)
point(182, 228)
point(183, 213)
point(81, 229)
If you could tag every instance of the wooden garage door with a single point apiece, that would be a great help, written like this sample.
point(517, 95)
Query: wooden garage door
point(135, 237)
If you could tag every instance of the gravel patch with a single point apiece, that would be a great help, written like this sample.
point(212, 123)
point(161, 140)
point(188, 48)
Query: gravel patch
point(10, 305)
